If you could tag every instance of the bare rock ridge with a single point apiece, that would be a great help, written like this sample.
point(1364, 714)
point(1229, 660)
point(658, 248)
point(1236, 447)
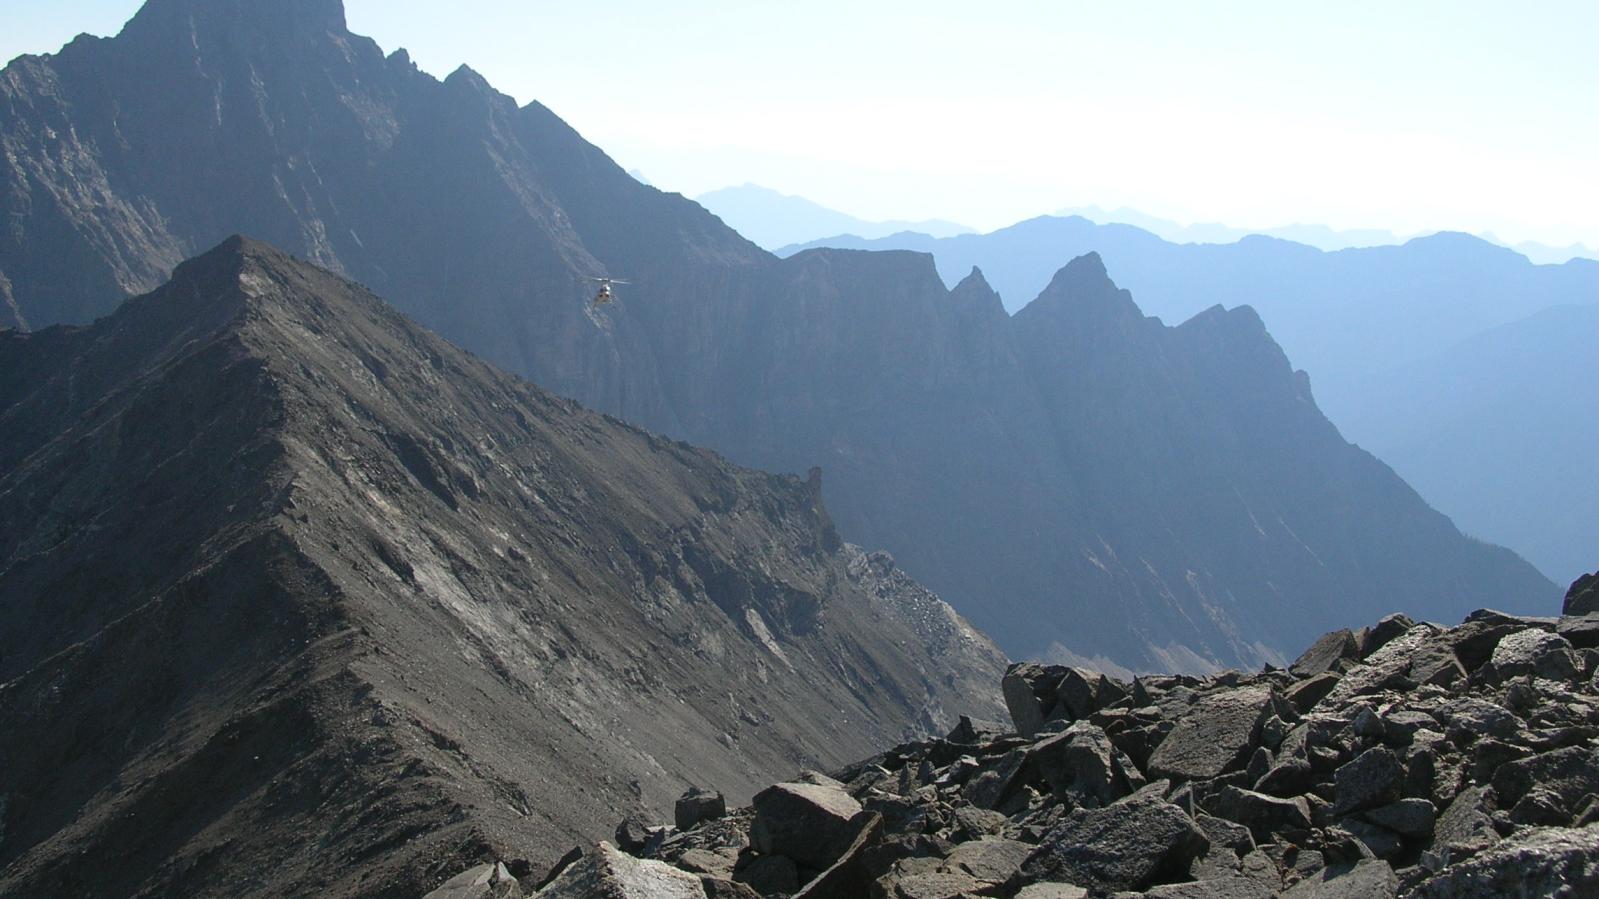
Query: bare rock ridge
point(1034, 470)
point(1404, 759)
point(300, 599)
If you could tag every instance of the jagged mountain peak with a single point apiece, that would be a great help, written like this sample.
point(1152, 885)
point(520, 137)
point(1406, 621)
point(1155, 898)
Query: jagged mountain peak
point(280, 16)
point(1082, 292)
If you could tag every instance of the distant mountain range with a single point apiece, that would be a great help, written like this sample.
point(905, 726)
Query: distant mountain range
point(774, 220)
point(784, 223)
point(1077, 479)
point(1319, 236)
point(299, 599)
point(1377, 328)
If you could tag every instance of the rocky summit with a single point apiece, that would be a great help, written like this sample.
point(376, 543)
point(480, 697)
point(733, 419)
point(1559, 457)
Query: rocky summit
point(298, 599)
point(1403, 759)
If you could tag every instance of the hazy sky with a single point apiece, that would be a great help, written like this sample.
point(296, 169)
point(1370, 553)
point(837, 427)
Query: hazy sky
point(1411, 115)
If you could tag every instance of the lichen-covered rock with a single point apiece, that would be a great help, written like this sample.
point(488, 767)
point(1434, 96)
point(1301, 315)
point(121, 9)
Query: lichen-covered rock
point(1538, 862)
point(1376, 778)
point(1082, 763)
point(1216, 736)
point(1132, 845)
point(607, 873)
point(492, 881)
point(1534, 651)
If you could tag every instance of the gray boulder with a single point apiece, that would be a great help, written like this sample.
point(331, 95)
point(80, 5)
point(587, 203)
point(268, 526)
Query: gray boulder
point(1081, 763)
point(1376, 777)
point(1414, 818)
point(1370, 879)
point(1325, 653)
point(1583, 597)
point(1581, 632)
point(608, 873)
point(991, 861)
point(1263, 815)
point(850, 875)
point(1132, 845)
point(1217, 735)
point(809, 823)
point(1534, 651)
point(1029, 690)
point(492, 881)
point(1538, 862)
point(1569, 773)
point(1384, 632)
point(1465, 828)
point(698, 806)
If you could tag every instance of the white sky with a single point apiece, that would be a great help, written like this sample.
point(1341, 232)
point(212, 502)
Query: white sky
point(1411, 115)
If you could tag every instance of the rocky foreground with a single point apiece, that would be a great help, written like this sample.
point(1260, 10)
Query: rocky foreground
point(1403, 759)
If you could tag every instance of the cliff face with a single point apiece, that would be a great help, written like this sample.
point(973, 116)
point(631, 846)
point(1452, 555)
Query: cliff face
point(1045, 473)
point(301, 598)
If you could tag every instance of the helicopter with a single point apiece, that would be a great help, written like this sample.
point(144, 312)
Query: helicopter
point(606, 295)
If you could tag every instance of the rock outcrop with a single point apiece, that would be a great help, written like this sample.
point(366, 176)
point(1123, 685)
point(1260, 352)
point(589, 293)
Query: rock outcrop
point(297, 598)
point(1032, 471)
point(1386, 786)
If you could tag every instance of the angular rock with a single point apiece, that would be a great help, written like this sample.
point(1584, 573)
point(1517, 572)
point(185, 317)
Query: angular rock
point(768, 874)
point(1132, 845)
point(928, 885)
point(1541, 861)
point(1226, 834)
point(1536, 652)
point(492, 881)
point(633, 834)
point(850, 875)
point(717, 888)
point(1583, 597)
point(1413, 818)
point(1385, 632)
point(1465, 828)
point(1325, 653)
point(1572, 773)
point(989, 861)
point(1581, 632)
point(1372, 879)
point(1379, 841)
point(698, 806)
point(1263, 815)
point(1029, 690)
point(1083, 764)
point(607, 873)
point(1400, 727)
point(1376, 777)
point(808, 823)
point(1304, 695)
point(1468, 718)
point(1052, 891)
point(1216, 736)
point(1288, 778)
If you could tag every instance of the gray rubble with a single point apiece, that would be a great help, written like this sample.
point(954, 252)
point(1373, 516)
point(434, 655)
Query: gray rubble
point(1401, 760)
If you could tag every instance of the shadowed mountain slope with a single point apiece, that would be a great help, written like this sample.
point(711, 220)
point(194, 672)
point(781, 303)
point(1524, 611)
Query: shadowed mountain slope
point(299, 598)
point(1446, 356)
point(977, 454)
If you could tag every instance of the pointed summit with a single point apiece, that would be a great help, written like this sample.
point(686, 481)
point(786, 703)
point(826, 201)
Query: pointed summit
point(1084, 292)
point(171, 17)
